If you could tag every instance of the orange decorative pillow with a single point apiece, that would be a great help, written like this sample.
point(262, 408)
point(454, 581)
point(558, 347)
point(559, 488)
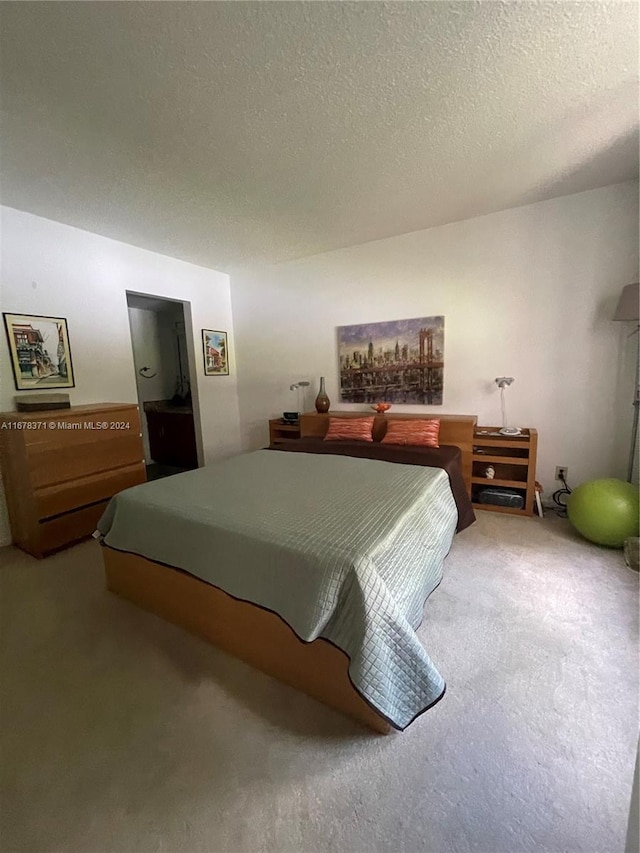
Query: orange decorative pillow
point(350, 429)
point(421, 432)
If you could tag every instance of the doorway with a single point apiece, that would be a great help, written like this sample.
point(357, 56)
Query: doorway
point(164, 382)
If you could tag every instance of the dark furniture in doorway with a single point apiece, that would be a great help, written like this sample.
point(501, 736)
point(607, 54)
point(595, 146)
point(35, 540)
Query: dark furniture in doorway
point(172, 438)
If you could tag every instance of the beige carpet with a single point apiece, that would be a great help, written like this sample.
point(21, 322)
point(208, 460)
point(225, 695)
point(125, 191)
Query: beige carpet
point(122, 733)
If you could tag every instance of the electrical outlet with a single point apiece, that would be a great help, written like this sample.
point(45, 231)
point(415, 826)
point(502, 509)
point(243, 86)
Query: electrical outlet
point(561, 472)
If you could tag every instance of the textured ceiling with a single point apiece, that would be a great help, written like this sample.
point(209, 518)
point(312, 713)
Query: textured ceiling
point(227, 133)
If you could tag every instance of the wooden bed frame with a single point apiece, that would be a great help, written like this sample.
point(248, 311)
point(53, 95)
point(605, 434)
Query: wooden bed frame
point(255, 635)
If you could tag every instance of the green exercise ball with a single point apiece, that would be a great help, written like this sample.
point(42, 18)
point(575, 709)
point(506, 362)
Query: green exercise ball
point(605, 511)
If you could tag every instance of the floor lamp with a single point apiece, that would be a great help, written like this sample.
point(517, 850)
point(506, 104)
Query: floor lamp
point(629, 310)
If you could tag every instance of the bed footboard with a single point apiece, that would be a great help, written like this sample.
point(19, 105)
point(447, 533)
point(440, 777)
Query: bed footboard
point(257, 636)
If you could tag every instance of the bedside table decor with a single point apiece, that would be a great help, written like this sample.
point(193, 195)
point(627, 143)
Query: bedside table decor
point(300, 388)
point(503, 382)
point(503, 498)
point(322, 400)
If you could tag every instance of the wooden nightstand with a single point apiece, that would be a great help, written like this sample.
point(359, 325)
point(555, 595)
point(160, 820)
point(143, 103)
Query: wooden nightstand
point(280, 432)
point(514, 459)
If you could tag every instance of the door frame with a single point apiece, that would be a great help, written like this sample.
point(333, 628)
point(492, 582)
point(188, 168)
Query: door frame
point(191, 359)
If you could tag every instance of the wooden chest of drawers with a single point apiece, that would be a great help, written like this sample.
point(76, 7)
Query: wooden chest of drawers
point(61, 467)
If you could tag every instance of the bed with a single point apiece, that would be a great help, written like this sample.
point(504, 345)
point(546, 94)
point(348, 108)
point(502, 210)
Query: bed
point(311, 561)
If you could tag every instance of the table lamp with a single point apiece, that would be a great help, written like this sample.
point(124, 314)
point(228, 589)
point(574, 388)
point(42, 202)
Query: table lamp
point(503, 382)
point(296, 386)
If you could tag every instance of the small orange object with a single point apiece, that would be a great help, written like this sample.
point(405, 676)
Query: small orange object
point(381, 408)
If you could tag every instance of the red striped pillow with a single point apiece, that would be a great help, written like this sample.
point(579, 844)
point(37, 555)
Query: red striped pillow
point(422, 432)
point(350, 429)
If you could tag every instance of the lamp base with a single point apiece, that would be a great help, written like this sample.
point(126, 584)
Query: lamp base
point(510, 431)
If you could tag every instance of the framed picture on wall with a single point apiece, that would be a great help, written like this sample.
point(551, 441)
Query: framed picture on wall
point(400, 361)
point(216, 359)
point(40, 352)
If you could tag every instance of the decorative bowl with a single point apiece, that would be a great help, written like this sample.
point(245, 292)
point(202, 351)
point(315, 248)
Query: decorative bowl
point(381, 408)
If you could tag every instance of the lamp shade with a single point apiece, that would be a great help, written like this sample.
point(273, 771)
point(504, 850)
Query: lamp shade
point(628, 304)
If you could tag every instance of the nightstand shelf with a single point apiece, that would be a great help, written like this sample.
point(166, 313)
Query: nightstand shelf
point(509, 484)
point(513, 458)
point(509, 510)
point(280, 433)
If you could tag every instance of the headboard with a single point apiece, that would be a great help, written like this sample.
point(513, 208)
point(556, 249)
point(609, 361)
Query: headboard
point(456, 430)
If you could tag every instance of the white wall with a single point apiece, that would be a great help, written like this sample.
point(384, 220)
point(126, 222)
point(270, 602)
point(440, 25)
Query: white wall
point(49, 268)
point(527, 292)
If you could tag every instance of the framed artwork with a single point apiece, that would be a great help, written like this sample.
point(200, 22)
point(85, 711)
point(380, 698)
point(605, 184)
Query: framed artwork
point(40, 352)
point(214, 345)
point(401, 361)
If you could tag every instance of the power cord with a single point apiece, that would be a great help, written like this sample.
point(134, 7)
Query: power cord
point(560, 498)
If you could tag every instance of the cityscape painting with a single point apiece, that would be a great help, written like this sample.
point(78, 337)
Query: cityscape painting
point(40, 353)
point(214, 345)
point(401, 361)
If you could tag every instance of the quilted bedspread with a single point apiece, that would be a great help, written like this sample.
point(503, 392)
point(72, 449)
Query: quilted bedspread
point(342, 548)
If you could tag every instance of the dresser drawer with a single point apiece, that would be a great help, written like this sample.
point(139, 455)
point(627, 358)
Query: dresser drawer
point(82, 456)
point(68, 528)
point(62, 497)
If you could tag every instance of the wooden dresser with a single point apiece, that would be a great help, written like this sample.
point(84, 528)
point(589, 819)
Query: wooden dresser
point(61, 467)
